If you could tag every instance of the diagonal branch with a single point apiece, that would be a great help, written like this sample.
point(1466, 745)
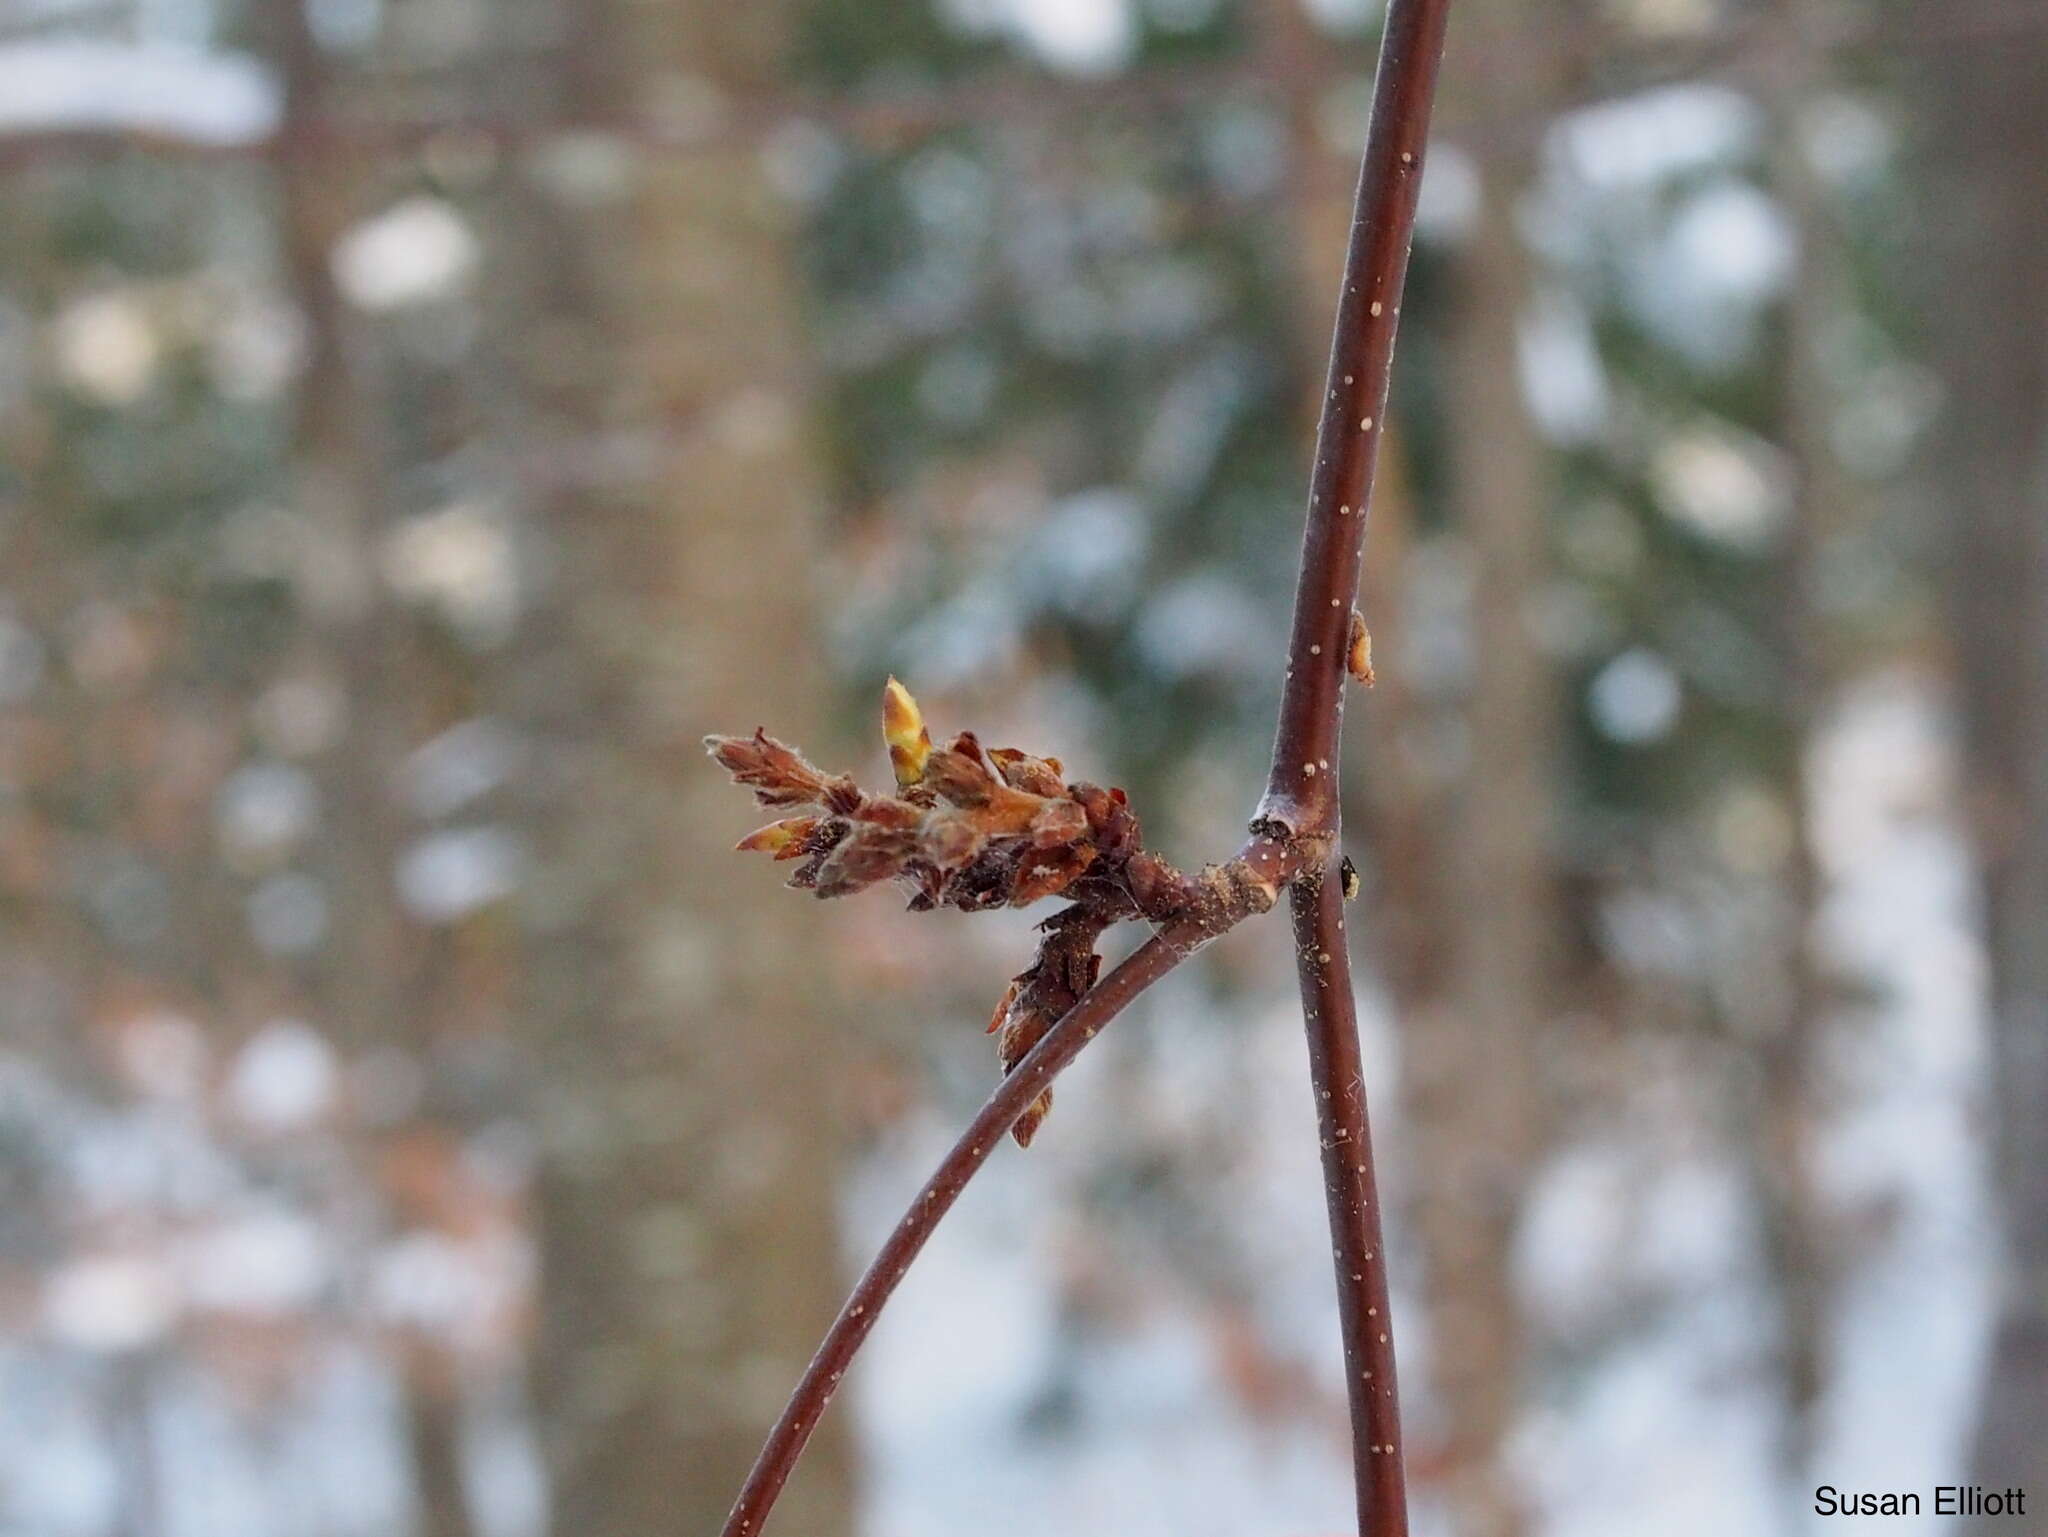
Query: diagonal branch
point(1032, 1076)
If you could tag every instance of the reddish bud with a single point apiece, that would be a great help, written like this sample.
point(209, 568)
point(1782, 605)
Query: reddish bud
point(867, 855)
point(950, 839)
point(884, 811)
point(1059, 822)
point(778, 774)
point(1022, 771)
point(995, 1021)
point(1047, 872)
point(785, 839)
point(959, 777)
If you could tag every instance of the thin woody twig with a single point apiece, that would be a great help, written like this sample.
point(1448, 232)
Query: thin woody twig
point(850, 1329)
point(1301, 789)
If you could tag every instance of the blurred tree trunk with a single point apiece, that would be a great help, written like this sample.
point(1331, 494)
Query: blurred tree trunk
point(1475, 1089)
point(684, 1048)
point(342, 479)
point(1471, 1058)
point(1985, 182)
point(1799, 1250)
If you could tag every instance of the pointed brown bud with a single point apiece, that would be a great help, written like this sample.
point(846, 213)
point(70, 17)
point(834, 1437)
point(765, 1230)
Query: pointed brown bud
point(1022, 1029)
point(777, 773)
point(904, 730)
point(784, 839)
point(1358, 654)
point(1034, 1115)
point(1002, 1013)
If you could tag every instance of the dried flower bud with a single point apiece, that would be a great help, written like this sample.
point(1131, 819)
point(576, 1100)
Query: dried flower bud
point(816, 848)
point(883, 811)
point(1066, 968)
point(778, 774)
point(950, 839)
point(1022, 1029)
point(786, 839)
point(910, 744)
point(1002, 1013)
point(1025, 1127)
point(870, 853)
point(958, 775)
point(1358, 654)
point(1058, 822)
point(842, 797)
point(1047, 872)
point(1022, 771)
point(1111, 822)
point(968, 827)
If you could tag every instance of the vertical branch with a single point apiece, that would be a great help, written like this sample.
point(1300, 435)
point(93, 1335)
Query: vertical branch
point(1301, 789)
point(1350, 1186)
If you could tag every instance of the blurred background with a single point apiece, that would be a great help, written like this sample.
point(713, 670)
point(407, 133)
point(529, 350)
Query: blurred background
point(422, 420)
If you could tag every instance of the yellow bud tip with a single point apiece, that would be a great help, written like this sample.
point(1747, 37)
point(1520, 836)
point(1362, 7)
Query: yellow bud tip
point(910, 745)
point(777, 838)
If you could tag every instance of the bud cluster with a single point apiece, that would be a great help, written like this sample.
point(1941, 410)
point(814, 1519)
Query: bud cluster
point(968, 826)
point(975, 827)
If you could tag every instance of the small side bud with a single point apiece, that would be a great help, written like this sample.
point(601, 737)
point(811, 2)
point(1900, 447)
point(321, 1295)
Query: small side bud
point(903, 728)
point(1002, 1013)
point(1033, 1117)
point(1022, 1029)
point(1358, 654)
point(1347, 875)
